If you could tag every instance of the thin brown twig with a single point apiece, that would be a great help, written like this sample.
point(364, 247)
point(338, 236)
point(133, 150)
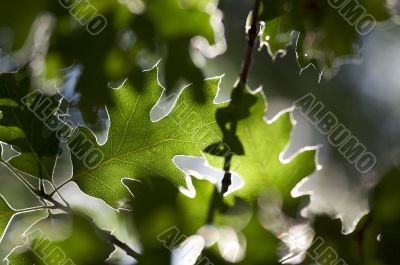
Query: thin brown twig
point(251, 39)
point(107, 235)
point(252, 34)
point(57, 205)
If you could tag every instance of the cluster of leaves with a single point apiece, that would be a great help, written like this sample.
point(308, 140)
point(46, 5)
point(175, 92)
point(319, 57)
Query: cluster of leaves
point(137, 147)
point(320, 42)
point(135, 33)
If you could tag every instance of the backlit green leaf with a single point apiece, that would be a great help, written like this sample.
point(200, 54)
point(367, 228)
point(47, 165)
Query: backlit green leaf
point(137, 147)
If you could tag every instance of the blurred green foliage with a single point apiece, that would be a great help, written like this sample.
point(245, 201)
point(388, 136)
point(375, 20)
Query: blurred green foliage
point(138, 33)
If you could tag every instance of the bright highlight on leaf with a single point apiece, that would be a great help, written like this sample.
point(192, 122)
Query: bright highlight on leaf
point(138, 148)
point(124, 166)
point(256, 152)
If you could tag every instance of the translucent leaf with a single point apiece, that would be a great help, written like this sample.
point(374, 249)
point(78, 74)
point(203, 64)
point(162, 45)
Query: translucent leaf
point(137, 147)
point(329, 30)
point(257, 146)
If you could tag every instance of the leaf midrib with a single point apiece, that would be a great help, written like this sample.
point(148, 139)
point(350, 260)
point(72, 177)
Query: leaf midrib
point(144, 148)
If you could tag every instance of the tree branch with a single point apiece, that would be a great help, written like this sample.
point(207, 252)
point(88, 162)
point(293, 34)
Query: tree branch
point(112, 239)
point(252, 34)
point(251, 39)
point(43, 196)
point(107, 236)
